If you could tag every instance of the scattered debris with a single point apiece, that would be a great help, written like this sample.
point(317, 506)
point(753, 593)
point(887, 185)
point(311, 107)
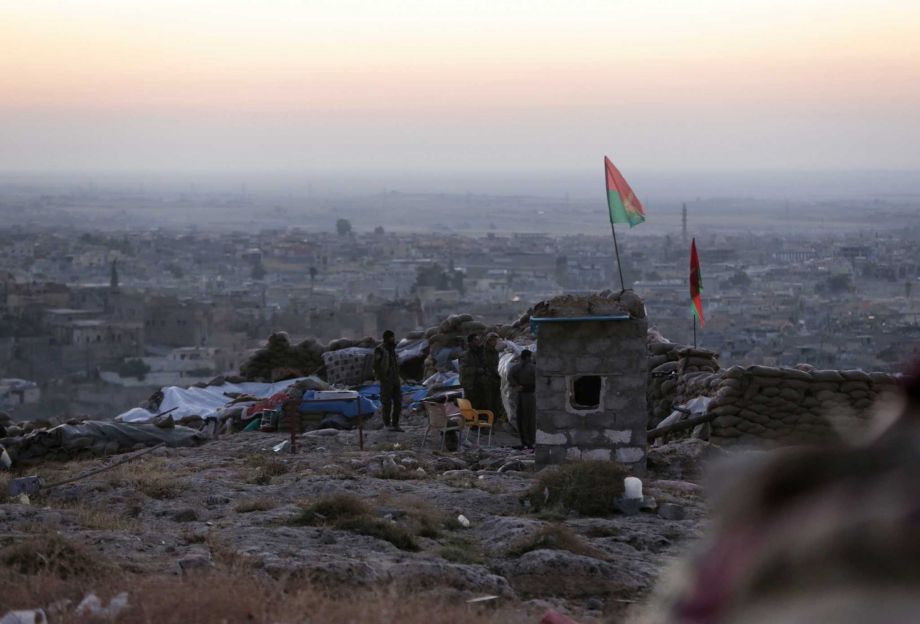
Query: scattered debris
point(91, 605)
point(29, 616)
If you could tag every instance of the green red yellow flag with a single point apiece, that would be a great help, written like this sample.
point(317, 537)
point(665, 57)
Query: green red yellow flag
point(623, 204)
point(696, 283)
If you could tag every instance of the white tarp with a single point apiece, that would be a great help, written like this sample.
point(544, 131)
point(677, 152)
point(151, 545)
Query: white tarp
point(203, 402)
point(409, 349)
point(697, 406)
point(509, 358)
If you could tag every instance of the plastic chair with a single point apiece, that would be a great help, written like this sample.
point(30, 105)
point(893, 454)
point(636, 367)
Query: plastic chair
point(474, 418)
point(440, 419)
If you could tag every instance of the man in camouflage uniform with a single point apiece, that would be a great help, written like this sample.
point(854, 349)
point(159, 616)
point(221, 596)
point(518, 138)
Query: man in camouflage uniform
point(474, 374)
point(492, 356)
point(386, 370)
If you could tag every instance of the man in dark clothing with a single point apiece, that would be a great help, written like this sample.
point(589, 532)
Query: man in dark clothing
point(473, 374)
point(492, 356)
point(523, 379)
point(386, 370)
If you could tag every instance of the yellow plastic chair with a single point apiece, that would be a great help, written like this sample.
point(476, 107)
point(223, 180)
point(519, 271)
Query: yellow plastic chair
point(474, 418)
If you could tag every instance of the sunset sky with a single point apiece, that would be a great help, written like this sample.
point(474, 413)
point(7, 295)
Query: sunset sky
point(425, 85)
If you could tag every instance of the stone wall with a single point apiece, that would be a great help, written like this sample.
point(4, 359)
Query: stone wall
point(616, 352)
point(758, 404)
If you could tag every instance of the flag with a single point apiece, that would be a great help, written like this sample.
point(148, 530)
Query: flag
point(696, 283)
point(623, 204)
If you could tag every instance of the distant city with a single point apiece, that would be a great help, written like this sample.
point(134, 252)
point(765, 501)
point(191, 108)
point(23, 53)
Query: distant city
point(108, 296)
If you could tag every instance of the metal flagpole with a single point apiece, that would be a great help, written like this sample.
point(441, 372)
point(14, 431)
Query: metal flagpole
point(616, 250)
point(694, 330)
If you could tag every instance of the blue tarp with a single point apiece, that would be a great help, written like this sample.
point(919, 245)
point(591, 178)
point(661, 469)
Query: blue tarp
point(345, 407)
point(343, 413)
point(411, 393)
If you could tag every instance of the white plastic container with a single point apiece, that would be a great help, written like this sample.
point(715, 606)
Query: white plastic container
point(632, 487)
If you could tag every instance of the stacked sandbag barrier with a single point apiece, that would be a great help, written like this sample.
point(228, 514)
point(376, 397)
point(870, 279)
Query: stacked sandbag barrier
point(671, 367)
point(758, 404)
point(446, 340)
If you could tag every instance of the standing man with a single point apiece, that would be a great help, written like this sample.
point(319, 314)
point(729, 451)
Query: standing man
point(523, 379)
point(473, 375)
point(492, 356)
point(386, 370)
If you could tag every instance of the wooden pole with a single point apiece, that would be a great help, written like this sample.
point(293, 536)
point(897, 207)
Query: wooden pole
point(616, 251)
point(104, 468)
point(360, 423)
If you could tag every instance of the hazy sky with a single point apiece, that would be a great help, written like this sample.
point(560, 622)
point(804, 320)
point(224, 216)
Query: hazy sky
point(424, 85)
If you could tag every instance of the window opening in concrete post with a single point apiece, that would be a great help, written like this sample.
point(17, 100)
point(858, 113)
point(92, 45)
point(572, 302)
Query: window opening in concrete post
point(586, 392)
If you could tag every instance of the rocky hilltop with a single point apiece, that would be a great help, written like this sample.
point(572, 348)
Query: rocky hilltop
point(393, 525)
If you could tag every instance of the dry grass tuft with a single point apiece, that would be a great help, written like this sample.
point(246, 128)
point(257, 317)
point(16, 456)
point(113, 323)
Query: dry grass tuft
point(332, 509)
point(461, 550)
point(53, 555)
point(553, 537)
point(589, 488)
point(255, 504)
point(349, 513)
point(426, 520)
point(153, 476)
point(104, 519)
point(399, 473)
point(265, 467)
point(603, 531)
point(241, 598)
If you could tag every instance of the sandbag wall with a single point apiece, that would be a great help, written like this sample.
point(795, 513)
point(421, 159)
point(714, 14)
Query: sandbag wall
point(448, 339)
point(757, 404)
point(668, 363)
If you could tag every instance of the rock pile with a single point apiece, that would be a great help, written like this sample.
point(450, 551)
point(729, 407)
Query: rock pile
point(597, 304)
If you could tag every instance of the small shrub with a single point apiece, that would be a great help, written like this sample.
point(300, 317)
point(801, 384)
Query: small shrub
point(589, 488)
point(254, 504)
point(52, 554)
point(553, 537)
